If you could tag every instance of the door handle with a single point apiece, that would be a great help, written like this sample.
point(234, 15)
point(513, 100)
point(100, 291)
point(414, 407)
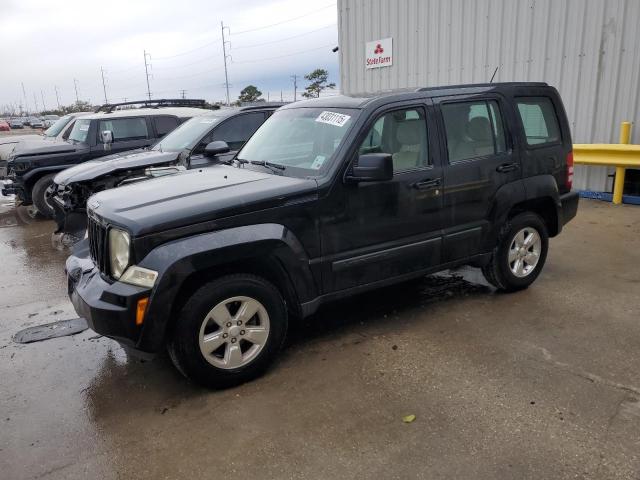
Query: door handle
point(507, 167)
point(425, 184)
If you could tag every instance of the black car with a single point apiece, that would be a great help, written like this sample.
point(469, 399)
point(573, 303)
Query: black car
point(191, 145)
point(32, 165)
point(329, 198)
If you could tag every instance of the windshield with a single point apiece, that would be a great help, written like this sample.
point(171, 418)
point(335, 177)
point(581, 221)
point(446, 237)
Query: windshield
point(57, 127)
point(80, 131)
point(301, 139)
point(187, 135)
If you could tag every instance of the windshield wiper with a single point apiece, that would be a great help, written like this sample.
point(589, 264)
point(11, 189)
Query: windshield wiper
point(264, 163)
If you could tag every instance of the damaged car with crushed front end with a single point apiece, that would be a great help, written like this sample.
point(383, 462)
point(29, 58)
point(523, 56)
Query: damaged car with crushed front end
point(202, 141)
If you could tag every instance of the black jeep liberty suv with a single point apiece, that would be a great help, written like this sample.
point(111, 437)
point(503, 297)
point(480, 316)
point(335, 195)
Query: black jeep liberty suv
point(329, 198)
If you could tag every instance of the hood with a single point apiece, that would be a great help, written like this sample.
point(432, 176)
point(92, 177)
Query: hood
point(195, 196)
point(19, 138)
point(40, 146)
point(95, 169)
point(8, 143)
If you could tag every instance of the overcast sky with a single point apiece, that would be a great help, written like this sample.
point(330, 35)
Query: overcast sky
point(49, 43)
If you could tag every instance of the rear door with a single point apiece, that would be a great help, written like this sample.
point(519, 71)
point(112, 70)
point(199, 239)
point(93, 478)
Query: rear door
point(163, 124)
point(544, 151)
point(479, 158)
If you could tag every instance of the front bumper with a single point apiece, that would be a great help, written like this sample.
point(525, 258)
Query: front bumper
point(109, 308)
point(73, 222)
point(569, 208)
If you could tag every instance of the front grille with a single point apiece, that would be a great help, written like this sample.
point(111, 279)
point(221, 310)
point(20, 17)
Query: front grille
point(97, 234)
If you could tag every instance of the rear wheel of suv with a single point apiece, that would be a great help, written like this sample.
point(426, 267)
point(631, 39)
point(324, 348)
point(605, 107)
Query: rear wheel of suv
point(40, 198)
point(519, 254)
point(229, 331)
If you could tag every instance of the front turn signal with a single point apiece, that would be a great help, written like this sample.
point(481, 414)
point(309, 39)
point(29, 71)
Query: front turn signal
point(141, 310)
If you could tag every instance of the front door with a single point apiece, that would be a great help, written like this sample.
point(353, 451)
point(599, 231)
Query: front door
point(129, 133)
point(376, 231)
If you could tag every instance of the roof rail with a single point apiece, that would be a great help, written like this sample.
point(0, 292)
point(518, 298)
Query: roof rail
point(162, 102)
point(472, 85)
point(260, 105)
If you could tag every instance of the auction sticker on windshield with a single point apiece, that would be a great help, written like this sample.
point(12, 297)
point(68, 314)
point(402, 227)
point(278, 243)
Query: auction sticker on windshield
point(333, 118)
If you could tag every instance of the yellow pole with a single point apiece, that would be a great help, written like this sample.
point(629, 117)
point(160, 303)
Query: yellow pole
point(618, 184)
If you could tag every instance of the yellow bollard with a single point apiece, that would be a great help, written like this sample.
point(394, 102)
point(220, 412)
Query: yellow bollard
point(618, 184)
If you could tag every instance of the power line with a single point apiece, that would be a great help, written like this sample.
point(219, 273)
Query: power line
point(189, 51)
point(184, 65)
point(284, 39)
point(284, 21)
point(287, 55)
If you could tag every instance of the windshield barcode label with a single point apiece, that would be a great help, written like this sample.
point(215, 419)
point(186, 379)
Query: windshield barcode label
point(333, 118)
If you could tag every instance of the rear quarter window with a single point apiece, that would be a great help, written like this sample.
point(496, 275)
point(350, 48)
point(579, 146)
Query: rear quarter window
point(539, 120)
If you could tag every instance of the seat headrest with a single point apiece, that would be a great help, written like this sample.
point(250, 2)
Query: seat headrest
point(479, 129)
point(408, 132)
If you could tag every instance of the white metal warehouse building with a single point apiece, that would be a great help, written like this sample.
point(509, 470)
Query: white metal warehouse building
point(588, 49)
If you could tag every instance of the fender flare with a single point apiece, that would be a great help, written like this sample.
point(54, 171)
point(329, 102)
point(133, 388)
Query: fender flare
point(36, 173)
point(178, 260)
point(509, 195)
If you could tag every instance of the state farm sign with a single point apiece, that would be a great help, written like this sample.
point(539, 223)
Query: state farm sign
point(379, 53)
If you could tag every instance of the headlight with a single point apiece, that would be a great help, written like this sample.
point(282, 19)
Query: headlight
point(119, 242)
point(142, 277)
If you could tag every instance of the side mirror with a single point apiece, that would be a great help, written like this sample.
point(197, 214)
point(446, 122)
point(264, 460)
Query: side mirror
point(372, 167)
point(216, 148)
point(106, 136)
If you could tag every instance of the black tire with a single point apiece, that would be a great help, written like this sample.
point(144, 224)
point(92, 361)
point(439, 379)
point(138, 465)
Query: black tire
point(39, 195)
point(498, 271)
point(184, 346)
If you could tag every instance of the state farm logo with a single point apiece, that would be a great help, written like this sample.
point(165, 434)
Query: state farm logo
point(379, 53)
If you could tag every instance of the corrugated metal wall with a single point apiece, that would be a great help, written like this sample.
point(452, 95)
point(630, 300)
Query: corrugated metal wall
point(588, 49)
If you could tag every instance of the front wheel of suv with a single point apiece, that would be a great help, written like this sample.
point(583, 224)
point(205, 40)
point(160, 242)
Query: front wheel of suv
point(229, 331)
point(520, 253)
point(41, 198)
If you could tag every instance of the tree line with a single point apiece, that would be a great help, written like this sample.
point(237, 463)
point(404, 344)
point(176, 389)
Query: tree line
point(319, 81)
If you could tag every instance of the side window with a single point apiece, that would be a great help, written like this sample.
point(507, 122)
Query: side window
point(237, 130)
point(403, 134)
point(125, 128)
point(164, 124)
point(539, 120)
point(473, 129)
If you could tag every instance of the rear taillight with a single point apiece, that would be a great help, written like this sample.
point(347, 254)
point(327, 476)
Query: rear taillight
point(569, 182)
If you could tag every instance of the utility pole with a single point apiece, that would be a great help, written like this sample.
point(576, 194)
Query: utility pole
point(35, 102)
point(75, 85)
point(295, 87)
point(55, 87)
point(24, 94)
point(268, 97)
point(146, 71)
point(224, 53)
point(104, 86)
point(44, 107)
point(183, 93)
point(281, 95)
